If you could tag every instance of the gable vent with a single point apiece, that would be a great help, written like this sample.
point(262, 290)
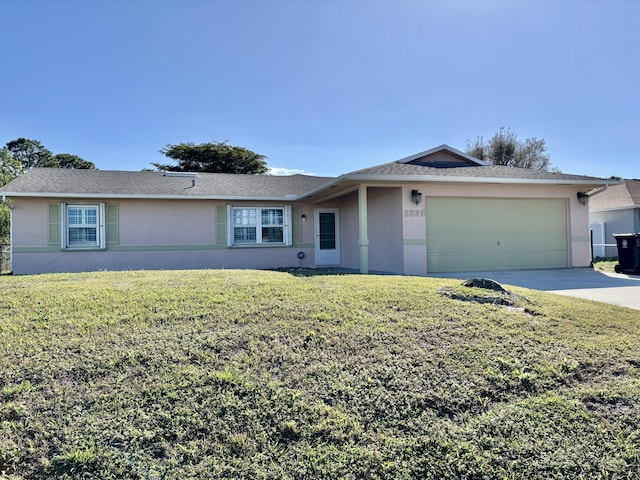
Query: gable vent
point(440, 164)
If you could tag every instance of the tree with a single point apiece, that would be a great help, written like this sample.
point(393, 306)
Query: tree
point(505, 148)
point(10, 168)
point(212, 157)
point(67, 160)
point(31, 153)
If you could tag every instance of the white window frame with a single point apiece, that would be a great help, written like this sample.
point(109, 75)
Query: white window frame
point(100, 242)
point(286, 227)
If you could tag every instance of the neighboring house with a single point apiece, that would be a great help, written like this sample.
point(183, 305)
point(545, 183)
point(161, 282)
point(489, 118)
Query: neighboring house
point(614, 210)
point(437, 211)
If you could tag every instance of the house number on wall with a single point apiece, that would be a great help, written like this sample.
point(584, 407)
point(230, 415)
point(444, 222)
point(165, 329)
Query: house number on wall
point(414, 213)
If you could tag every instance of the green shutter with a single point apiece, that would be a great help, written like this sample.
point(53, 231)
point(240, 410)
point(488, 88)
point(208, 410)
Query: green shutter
point(296, 224)
point(113, 233)
point(54, 224)
point(221, 225)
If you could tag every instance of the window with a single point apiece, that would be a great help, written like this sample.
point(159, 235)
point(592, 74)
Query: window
point(83, 228)
point(260, 226)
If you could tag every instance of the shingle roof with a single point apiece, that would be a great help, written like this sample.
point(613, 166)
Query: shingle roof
point(57, 182)
point(626, 195)
point(110, 183)
point(482, 171)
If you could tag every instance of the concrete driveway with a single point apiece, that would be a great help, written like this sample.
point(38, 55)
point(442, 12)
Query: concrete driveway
point(614, 288)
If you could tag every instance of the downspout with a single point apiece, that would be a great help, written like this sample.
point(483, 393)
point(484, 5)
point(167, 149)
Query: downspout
point(603, 189)
point(10, 207)
point(585, 196)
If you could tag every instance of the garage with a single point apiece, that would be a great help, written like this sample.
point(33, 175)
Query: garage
point(476, 234)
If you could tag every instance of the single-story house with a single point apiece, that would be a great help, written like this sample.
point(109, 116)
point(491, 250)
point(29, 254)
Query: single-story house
point(440, 210)
point(614, 210)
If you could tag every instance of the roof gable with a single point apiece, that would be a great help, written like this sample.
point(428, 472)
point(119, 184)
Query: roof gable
point(443, 156)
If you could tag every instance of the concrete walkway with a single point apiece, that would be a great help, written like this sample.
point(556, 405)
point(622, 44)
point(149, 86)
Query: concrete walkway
point(615, 288)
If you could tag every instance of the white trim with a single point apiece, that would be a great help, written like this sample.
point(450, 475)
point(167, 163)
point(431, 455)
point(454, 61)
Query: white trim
point(286, 225)
point(140, 196)
point(101, 238)
point(438, 178)
point(335, 257)
point(372, 178)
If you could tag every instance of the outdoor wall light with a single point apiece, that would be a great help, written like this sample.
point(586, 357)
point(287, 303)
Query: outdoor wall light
point(416, 196)
point(583, 197)
point(303, 217)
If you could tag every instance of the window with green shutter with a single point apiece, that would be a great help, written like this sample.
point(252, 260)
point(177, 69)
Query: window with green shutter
point(113, 233)
point(221, 225)
point(296, 224)
point(82, 226)
point(54, 225)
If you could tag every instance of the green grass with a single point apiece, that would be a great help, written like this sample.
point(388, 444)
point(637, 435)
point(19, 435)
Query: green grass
point(252, 374)
point(605, 265)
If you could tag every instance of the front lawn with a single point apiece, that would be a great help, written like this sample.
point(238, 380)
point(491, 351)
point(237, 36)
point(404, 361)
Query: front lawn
point(253, 374)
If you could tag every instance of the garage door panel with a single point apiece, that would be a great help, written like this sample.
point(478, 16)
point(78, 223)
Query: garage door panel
point(484, 234)
point(467, 222)
point(461, 243)
point(550, 223)
point(488, 261)
point(448, 263)
point(475, 241)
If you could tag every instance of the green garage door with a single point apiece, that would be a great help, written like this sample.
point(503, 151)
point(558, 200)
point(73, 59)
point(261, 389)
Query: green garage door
point(476, 234)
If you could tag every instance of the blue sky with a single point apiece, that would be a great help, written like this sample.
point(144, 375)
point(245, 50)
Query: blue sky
point(323, 87)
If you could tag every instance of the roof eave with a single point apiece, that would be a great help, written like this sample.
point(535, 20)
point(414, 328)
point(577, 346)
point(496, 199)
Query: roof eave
point(331, 184)
point(118, 196)
point(448, 179)
point(613, 209)
point(441, 179)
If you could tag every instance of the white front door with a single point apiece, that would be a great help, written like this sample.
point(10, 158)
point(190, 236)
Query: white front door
point(327, 236)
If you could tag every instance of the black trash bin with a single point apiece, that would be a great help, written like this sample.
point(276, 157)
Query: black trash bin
point(628, 252)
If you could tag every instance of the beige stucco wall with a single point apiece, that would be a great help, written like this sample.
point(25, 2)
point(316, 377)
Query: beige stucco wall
point(385, 229)
point(414, 224)
point(166, 222)
point(31, 220)
point(182, 234)
point(349, 231)
point(159, 234)
point(141, 222)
